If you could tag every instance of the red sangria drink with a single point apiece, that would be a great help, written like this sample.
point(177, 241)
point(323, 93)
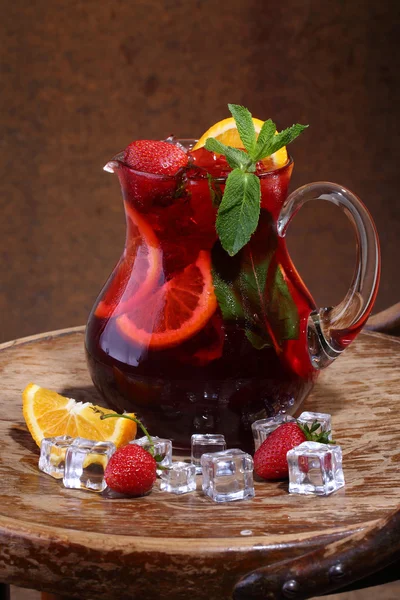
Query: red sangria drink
point(204, 324)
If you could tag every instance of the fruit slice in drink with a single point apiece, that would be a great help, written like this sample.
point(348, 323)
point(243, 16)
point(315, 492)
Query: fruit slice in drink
point(138, 271)
point(179, 309)
point(225, 131)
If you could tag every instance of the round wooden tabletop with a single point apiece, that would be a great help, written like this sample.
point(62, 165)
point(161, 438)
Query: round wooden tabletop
point(75, 542)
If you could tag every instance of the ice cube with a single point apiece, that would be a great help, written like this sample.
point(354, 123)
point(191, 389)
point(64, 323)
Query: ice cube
point(162, 447)
point(85, 463)
point(52, 455)
point(171, 139)
point(180, 478)
point(308, 418)
point(205, 442)
point(315, 469)
point(263, 427)
point(228, 475)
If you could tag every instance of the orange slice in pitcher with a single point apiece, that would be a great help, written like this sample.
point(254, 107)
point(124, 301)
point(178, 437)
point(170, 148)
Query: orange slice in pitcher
point(48, 414)
point(177, 310)
point(137, 272)
point(225, 131)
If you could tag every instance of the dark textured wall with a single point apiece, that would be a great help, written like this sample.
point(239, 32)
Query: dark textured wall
point(81, 79)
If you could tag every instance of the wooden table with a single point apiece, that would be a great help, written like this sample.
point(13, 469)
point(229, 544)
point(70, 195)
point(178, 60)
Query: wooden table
point(177, 547)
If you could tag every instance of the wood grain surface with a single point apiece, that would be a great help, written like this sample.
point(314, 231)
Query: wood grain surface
point(80, 543)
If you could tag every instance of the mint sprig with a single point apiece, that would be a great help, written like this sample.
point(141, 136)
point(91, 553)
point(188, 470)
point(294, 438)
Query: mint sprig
point(239, 211)
point(235, 157)
point(267, 319)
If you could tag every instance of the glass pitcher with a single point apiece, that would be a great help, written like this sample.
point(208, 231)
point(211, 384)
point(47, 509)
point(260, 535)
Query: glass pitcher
point(195, 341)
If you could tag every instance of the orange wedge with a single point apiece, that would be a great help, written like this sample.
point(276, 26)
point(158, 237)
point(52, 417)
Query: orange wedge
point(226, 132)
point(48, 414)
point(177, 311)
point(137, 272)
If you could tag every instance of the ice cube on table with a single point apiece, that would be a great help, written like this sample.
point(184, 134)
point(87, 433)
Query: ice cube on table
point(308, 418)
point(228, 475)
point(315, 468)
point(205, 442)
point(162, 447)
point(52, 455)
point(179, 478)
point(263, 427)
point(85, 463)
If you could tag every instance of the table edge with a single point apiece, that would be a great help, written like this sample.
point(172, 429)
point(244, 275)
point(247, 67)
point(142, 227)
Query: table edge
point(38, 337)
point(95, 541)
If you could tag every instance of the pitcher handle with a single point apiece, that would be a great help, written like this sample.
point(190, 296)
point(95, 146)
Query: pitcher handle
point(331, 330)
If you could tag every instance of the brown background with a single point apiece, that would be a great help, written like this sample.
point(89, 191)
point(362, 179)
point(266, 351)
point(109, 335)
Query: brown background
point(81, 79)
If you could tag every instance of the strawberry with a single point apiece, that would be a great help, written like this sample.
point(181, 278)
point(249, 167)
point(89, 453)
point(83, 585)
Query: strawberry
point(131, 471)
point(270, 458)
point(156, 157)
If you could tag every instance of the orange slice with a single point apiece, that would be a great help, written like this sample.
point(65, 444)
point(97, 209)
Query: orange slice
point(137, 272)
point(48, 414)
point(177, 311)
point(226, 132)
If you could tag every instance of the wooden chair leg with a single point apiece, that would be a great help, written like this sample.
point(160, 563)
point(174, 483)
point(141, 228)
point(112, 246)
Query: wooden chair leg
point(387, 321)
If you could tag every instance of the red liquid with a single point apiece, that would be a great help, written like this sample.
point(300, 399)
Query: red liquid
point(213, 380)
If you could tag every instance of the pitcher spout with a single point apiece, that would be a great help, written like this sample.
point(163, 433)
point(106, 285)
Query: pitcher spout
point(114, 163)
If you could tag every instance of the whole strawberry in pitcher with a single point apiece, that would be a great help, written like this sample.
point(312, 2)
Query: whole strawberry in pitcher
point(205, 325)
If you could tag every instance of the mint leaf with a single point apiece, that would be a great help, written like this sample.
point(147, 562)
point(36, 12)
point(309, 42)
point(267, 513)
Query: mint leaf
point(282, 310)
point(236, 158)
point(258, 340)
point(228, 300)
point(265, 138)
point(285, 137)
point(239, 211)
point(282, 139)
point(245, 126)
point(215, 191)
point(252, 281)
point(255, 295)
point(270, 311)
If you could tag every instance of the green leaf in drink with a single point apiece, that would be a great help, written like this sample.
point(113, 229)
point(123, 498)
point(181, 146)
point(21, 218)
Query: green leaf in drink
point(282, 309)
point(239, 211)
point(228, 299)
point(258, 340)
point(257, 299)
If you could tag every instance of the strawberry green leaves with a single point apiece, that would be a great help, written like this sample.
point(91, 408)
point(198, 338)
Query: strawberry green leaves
point(239, 210)
point(311, 433)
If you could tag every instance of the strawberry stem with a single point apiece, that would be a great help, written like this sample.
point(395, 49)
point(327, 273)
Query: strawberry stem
point(309, 432)
point(134, 419)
